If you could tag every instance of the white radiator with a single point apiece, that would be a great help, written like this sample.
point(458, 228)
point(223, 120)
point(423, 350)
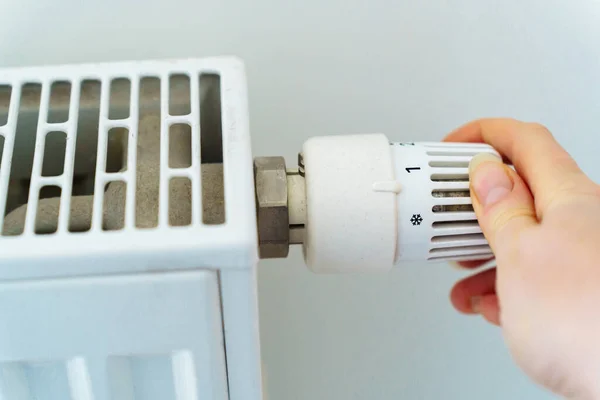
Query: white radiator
point(151, 295)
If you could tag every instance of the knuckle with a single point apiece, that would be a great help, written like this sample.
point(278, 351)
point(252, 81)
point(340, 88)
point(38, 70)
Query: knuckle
point(504, 217)
point(596, 191)
point(505, 235)
point(567, 191)
point(539, 128)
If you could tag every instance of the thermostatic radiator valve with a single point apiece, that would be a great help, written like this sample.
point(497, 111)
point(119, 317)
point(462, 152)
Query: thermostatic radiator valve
point(363, 203)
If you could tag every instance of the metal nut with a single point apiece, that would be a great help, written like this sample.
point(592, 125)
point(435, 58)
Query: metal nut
point(272, 207)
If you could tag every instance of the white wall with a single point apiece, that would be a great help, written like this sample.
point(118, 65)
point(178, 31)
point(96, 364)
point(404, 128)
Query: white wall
point(411, 69)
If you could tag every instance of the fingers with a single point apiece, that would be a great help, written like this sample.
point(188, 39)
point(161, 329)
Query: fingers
point(502, 203)
point(471, 264)
point(489, 308)
point(465, 291)
point(476, 295)
point(536, 155)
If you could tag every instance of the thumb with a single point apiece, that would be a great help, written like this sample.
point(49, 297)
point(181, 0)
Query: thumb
point(502, 201)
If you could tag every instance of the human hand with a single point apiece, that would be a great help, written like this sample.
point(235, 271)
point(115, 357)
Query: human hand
point(543, 224)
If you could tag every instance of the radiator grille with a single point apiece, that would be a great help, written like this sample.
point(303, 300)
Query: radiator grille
point(144, 152)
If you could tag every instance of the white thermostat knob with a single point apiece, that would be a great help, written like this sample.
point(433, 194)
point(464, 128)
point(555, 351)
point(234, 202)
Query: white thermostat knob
point(372, 204)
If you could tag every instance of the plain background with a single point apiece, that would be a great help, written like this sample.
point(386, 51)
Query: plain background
point(411, 69)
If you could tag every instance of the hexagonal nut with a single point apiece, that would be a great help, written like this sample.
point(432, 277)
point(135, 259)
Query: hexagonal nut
point(270, 180)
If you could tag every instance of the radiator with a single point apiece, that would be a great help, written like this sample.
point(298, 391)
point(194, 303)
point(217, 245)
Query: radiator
point(128, 250)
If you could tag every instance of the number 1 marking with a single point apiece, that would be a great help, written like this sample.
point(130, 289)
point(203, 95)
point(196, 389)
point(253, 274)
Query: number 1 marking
point(408, 169)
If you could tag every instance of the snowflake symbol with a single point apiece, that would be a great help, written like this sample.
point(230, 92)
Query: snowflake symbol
point(416, 219)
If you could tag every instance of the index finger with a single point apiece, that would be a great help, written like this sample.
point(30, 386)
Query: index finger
point(539, 159)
